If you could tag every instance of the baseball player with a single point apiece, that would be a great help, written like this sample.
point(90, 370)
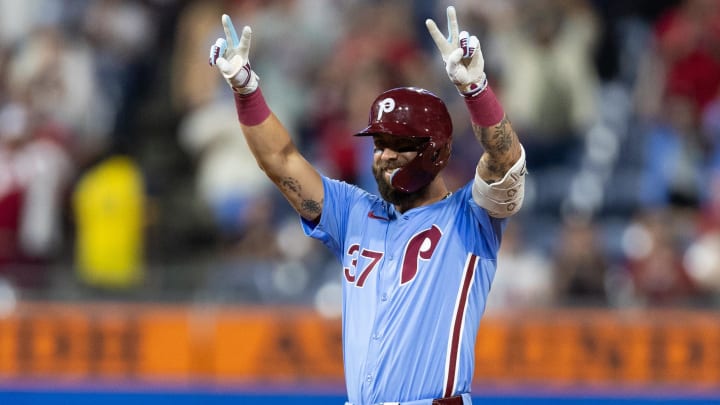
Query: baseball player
point(418, 262)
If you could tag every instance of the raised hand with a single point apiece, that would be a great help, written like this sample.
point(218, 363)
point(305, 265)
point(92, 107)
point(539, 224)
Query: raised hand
point(461, 53)
point(231, 56)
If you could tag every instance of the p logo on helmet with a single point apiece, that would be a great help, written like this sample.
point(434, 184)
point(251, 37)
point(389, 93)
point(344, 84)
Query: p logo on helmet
point(411, 112)
point(385, 106)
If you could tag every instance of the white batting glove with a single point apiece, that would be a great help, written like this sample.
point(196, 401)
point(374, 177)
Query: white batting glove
point(461, 53)
point(230, 55)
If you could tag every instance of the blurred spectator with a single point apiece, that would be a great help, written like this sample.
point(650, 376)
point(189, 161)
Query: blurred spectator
point(654, 247)
point(702, 261)
point(56, 77)
point(34, 172)
point(122, 35)
point(226, 186)
point(683, 59)
point(109, 212)
point(710, 215)
point(702, 258)
point(228, 181)
point(524, 277)
point(688, 39)
point(549, 81)
point(19, 19)
point(580, 264)
point(673, 162)
point(677, 84)
point(710, 127)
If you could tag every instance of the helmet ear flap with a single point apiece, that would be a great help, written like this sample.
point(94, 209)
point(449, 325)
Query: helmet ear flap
point(431, 159)
point(412, 176)
point(435, 157)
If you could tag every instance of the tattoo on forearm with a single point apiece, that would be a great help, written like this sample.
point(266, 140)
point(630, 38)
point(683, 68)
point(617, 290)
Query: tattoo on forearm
point(496, 139)
point(291, 187)
point(492, 166)
point(290, 184)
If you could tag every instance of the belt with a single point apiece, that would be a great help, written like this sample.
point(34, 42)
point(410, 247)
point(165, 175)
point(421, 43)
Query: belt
point(462, 399)
point(456, 400)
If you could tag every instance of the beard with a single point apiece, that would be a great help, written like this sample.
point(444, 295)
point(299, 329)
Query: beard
point(392, 195)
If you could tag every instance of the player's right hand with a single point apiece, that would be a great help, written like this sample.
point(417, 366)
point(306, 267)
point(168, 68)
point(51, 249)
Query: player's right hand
point(231, 56)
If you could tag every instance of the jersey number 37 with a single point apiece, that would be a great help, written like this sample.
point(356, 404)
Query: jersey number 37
point(420, 246)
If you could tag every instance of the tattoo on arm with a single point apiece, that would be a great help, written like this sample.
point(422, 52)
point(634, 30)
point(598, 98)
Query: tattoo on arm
point(498, 141)
point(293, 190)
point(312, 207)
point(290, 185)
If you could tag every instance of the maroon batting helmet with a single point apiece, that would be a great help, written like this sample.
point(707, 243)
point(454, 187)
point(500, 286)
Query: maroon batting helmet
point(412, 112)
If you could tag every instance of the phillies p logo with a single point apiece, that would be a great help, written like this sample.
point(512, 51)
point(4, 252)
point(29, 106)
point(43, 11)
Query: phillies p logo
point(385, 106)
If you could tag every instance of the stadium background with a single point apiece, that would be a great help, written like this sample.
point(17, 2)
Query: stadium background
point(145, 258)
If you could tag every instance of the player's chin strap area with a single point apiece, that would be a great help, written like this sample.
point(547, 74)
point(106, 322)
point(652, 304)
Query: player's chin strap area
point(462, 399)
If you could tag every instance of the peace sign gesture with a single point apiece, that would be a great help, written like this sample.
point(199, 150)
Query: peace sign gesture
point(231, 56)
point(461, 53)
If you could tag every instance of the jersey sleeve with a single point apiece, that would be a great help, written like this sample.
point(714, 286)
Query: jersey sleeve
point(339, 199)
point(491, 228)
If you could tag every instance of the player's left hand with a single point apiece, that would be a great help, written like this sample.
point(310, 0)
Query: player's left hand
point(461, 53)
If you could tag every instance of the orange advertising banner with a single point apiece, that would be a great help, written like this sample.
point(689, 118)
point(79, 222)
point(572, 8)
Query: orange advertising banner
point(186, 343)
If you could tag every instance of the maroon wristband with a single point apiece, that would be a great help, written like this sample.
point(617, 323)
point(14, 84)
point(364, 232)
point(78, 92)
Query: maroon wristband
point(251, 108)
point(485, 109)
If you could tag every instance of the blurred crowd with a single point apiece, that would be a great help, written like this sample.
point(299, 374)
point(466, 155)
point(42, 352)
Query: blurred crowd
point(124, 174)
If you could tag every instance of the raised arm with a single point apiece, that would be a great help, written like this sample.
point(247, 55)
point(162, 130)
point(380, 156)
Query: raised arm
point(500, 176)
point(267, 138)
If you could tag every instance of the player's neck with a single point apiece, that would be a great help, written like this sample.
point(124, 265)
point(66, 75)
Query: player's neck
point(436, 191)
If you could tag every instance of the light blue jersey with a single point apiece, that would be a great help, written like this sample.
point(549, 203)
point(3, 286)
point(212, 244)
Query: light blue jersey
point(415, 287)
